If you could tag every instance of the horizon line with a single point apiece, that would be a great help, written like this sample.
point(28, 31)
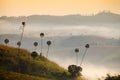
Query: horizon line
point(91, 14)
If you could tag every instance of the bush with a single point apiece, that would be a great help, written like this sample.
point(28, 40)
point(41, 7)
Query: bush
point(34, 54)
point(74, 70)
point(109, 77)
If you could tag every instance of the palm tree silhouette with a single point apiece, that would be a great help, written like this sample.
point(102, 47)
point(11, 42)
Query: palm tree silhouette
point(76, 51)
point(23, 25)
point(6, 41)
point(41, 35)
point(35, 44)
point(19, 44)
point(48, 43)
point(86, 46)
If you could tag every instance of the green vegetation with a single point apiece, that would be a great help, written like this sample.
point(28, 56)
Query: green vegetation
point(109, 77)
point(9, 75)
point(17, 63)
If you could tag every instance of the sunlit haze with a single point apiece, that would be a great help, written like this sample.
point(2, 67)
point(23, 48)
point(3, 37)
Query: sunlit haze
point(57, 7)
point(63, 23)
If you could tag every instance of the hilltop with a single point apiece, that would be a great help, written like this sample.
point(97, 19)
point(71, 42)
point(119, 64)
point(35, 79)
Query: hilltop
point(76, 19)
point(18, 64)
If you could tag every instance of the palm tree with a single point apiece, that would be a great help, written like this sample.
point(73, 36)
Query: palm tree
point(35, 44)
point(23, 25)
point(86, 46)
point(48, 43)
point(19, 43)
point(41, 35)
point(76, 51)
point(6, 41)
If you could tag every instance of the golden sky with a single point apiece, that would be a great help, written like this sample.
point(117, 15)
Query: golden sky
point(57, 7)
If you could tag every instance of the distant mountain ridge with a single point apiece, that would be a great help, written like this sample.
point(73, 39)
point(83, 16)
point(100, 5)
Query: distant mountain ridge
point(100, 18)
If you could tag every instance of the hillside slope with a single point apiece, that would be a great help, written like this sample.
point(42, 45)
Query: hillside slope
point(9, 75)
point(16, 62)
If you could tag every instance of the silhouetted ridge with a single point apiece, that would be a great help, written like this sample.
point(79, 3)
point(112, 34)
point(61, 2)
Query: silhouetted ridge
point(100, 18)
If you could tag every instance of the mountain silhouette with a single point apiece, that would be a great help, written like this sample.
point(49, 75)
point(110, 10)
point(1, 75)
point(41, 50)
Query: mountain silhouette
point(100, 18)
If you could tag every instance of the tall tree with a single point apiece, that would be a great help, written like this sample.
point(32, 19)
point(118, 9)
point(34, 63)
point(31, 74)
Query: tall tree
point(18, 44)
point(6, 41)
point(48, 43)
point(23, 26)
point(41, 35)
point(76, 51)
point(35, 44)
point(86, 46)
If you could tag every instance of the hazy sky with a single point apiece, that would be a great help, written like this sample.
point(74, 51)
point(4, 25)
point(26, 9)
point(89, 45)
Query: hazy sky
point(61, 7)
point(57, 7)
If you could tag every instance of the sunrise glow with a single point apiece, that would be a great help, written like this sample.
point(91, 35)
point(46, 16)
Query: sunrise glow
point(57, 7)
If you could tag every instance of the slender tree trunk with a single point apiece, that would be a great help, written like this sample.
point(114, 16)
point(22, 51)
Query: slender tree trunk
point(47, 51)
point(76, 58)
point(83, 56)
point(21, 36)
point(41, 45)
